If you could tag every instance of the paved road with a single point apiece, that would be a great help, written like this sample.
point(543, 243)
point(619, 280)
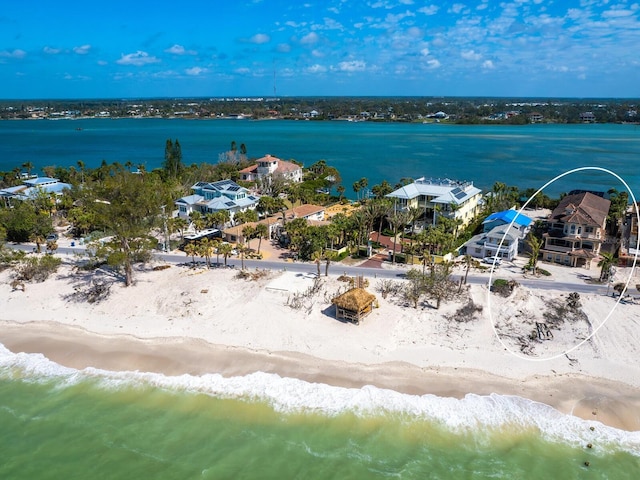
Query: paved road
point(397, 272)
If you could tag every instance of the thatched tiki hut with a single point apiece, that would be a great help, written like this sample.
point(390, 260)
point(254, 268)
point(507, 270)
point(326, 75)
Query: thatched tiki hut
point(354, 304)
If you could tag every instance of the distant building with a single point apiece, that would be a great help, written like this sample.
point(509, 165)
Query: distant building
point(269, 166)
point(210, 197)
point(576, 230)
point(587, 117)
point(439, 197)
point(535, 117)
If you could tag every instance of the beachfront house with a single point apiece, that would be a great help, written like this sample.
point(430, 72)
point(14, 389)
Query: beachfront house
point(501, 241)
point(268, 167)
point(576, 230)
point(520, 221)
point(210, 197)
point(439, 197)
point(33, 187)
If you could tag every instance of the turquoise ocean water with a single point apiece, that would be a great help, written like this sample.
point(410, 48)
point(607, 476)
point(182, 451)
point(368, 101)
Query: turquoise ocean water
point(60, 423)
point(525, 156)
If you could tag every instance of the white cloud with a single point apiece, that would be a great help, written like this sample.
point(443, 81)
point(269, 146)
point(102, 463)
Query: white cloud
point(283, 48)
point(471, 55)
point(310, 39)
point(180, 50)
point(488, 64)
point(82, 50)
point(317, 68)
point(424, 52)
point(242, 70)
point(138, 59)
point(433, 64)
point(617, 13)
point(295, 24)
point(317, 53)
point(429, 10)
point(195, 71)
point(457, 7)
point(260, 38)
point(17, 53)
point(102, 63)
point(352, 66)
point(51, 50)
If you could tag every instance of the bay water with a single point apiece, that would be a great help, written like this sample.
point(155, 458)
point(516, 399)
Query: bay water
point(524, 156)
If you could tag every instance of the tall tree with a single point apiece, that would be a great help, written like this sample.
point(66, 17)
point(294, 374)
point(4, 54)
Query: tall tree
point(128, 205)
point(261, 231)
point(172, 159)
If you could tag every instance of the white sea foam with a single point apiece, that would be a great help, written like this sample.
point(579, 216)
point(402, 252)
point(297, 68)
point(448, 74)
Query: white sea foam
point(473, 412)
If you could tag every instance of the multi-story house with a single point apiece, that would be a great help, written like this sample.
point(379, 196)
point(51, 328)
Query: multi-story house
point(520, 221)
point(501, 241)
point(269, 167)
point(210, 197)
point(439, 197)
point(576, 230)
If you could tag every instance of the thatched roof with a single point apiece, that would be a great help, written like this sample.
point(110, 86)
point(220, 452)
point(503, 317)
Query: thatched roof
point(355, 299)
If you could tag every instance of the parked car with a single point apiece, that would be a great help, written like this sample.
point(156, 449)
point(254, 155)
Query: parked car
point(52, 237)
point(492, 260)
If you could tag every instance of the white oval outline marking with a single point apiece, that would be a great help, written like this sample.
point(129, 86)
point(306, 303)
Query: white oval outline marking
point(633, 266)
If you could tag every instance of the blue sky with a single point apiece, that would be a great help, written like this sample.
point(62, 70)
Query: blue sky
point(122, 49)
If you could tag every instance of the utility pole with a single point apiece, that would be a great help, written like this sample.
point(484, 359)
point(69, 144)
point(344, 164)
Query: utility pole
point(165, 243)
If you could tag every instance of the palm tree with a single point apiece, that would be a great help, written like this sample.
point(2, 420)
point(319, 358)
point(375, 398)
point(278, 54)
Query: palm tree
point(28, 166)
point(39, 240)
point(467, 261)
point(397, 220)
point(197, 220)
point(317, 257)
point(178, 224)
point(248, 231)
point(191, 249)
point(261, 231)
point(606, 262)
point(329, 256)
point(216, 248)
point(535, 244)
point(225, 250)
point(81, 166)
point(52, 246)
point(206, 247)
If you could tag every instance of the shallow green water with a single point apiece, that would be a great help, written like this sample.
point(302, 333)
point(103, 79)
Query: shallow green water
point(59, 429)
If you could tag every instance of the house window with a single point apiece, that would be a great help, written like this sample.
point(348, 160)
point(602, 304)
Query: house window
point(478, 250)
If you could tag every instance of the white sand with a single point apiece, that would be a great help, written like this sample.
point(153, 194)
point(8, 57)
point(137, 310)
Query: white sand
point(237, 326)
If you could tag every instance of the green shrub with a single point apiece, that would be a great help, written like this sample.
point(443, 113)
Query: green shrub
point(37, 269)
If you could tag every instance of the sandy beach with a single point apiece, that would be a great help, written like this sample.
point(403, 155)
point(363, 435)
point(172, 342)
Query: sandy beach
point(184, 320)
